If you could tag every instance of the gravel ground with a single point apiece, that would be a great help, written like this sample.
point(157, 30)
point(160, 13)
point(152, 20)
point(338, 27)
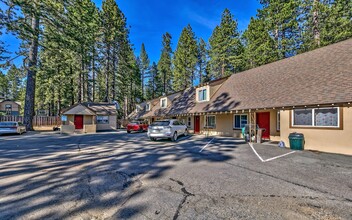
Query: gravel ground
point(114, 175)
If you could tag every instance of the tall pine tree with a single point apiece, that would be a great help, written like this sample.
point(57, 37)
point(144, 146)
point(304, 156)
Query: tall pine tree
point(144, 67)
point(259, 46)
point(226, 49)
point(165, 64)
point(185, 59)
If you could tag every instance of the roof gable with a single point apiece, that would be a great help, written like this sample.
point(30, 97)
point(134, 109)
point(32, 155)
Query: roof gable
point(78, 109)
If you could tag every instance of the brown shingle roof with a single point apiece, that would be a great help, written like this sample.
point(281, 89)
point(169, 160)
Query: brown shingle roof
point(322, 76)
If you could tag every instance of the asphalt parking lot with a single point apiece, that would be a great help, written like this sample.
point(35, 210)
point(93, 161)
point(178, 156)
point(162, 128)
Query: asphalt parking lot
point(115, 175)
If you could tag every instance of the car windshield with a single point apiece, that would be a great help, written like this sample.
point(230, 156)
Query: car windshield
point(7, 124)
point(160, 123)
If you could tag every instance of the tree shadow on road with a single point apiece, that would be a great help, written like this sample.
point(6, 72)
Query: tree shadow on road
point(87, 176)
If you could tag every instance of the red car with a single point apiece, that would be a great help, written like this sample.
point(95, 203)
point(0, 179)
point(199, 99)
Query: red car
point(137, 126)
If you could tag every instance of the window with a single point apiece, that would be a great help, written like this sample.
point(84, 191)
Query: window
point(8, 109)
point(302, 117)
point(189, 122)
point(163, 102)
point(240, 121)
point(321, 117)
point(210, 121)
point(175, 123)
point(138, 108)
point(102, 119)
point(147, 107)
point(202, 95)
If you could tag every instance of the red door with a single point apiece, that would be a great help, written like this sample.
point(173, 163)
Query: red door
point(196, 124)
point(263, 121)
point(78, 122)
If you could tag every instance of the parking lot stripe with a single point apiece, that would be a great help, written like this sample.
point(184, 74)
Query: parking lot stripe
point(270, 159)
point(273, 158)
point(251, 145)
point(206, 145)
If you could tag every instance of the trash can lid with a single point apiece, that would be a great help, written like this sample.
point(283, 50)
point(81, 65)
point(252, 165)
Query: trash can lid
point(296, 135)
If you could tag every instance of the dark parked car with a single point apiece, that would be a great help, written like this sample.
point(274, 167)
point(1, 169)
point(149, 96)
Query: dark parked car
point(12, 127)
point(139, 126)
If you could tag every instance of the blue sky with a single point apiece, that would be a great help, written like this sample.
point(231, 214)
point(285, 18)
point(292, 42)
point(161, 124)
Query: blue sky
point(149, 20)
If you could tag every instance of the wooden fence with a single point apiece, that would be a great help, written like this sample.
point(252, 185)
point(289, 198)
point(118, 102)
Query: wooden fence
point(38, 121)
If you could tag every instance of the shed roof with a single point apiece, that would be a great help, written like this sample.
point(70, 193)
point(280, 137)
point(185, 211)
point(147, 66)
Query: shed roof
point(90, 108)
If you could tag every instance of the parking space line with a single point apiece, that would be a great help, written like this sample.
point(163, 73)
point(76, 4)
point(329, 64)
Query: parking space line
point(206, 145)
point(273, 158)
point(270, 159)
point(251, 145)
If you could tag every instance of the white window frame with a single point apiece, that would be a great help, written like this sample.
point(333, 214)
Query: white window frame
point(147, 106)
point(202, 91)
point(161, 102)
point(207, 93)
point(108, 121)
point(313, 119)
point(205, 121)
point(234, 120)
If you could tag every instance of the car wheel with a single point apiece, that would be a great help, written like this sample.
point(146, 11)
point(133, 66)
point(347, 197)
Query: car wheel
point(174, 137)
point(186, 133)
point(128, 131)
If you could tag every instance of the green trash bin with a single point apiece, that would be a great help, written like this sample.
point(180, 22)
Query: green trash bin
point(296, 141)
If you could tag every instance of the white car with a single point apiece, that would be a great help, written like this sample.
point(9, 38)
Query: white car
point(12, 127)
point(170, 128)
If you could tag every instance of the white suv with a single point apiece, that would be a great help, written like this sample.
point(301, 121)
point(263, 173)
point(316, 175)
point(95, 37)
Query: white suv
point(170, 128)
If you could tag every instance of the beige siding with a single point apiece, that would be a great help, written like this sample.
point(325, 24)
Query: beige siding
point(89, 128)
point(88, 124)
point(184, 119)
point(327, 140)
point(14, 105)
point(88, 119)
point(110, 126)
point(213, 89)
point(225, 124)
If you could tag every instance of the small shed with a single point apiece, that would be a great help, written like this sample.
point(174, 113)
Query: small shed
point(89, 117)
point(9, 107)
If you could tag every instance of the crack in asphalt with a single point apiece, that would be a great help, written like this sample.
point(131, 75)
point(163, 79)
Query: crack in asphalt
point(186, 194)
point(294, 183)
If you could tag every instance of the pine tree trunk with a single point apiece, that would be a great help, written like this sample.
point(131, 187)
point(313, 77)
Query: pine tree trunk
point(114, 76)
point(31, 72)
point(72, 89)
point(93, 74)
point(153, 87)
point(107, 75)
point(142, 80)
point(316, 31)
point(59, 94)
point(164, 89)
